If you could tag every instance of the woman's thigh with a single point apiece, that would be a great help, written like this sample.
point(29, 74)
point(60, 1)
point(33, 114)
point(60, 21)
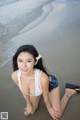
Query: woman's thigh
point(34, 101)
point(54, 96)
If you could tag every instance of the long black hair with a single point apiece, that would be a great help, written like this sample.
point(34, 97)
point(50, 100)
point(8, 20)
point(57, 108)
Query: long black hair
point(32, 50)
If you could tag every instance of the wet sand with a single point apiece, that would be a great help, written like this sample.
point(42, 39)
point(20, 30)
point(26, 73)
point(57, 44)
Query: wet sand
point(57, 39)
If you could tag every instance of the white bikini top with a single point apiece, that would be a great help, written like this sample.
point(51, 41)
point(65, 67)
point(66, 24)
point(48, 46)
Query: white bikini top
point(38, 90)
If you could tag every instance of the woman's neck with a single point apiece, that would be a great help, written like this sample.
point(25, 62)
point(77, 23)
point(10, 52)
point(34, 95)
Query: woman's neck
point(29, 75)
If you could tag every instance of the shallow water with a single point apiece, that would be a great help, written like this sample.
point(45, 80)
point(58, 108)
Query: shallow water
point(17, 17)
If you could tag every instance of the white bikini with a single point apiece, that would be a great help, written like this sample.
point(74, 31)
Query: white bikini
point(38, 90)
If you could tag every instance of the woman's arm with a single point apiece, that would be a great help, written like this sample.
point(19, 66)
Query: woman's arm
point(29, 109)
point(26, 97)
point(14, 77)
point(45, 88)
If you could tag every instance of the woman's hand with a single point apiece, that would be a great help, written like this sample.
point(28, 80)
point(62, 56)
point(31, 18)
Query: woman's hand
point(28, 110)
point(53, 114)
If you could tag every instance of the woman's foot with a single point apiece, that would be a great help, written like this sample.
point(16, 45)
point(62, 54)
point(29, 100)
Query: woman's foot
point(69, 92)
point(71, 89)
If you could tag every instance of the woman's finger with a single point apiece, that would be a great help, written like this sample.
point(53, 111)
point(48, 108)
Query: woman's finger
point(26, 113)
point(57, 114)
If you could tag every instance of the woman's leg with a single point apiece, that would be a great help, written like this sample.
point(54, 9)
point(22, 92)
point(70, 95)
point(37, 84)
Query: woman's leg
point(59, 106)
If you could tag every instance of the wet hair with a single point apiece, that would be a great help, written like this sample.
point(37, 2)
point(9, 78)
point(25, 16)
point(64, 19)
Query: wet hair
point(32, 50)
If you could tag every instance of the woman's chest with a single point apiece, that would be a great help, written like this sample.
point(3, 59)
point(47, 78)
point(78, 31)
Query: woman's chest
point(28, 85)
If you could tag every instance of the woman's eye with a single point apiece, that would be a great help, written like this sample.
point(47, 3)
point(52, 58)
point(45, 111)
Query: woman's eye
point(28, 61)
point(19, 60)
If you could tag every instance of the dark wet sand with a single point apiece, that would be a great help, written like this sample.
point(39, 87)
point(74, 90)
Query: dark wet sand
point(60, 48)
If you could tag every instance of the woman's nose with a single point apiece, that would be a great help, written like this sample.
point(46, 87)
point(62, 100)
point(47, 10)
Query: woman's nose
point(24, 64)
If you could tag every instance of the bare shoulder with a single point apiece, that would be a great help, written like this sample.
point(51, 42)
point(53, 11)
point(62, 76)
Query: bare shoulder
point(44, 78)
point(44, 82)
point(14, 76)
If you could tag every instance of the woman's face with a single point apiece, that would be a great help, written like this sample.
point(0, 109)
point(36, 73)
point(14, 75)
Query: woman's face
point(25, 62)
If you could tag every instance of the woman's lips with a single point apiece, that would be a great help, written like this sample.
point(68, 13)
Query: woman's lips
point(24, 70)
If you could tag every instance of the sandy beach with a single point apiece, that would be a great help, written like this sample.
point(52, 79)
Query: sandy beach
point(57, 38)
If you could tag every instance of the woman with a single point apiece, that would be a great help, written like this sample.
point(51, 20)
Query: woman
point(33, 80)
